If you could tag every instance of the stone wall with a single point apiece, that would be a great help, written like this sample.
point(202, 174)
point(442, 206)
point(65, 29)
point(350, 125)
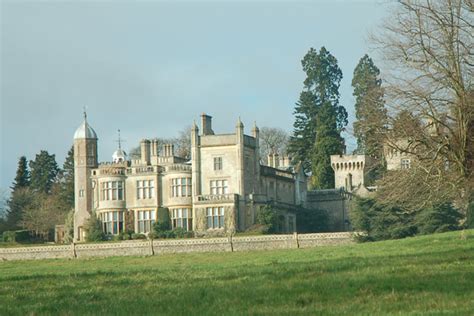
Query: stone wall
point(156, 247)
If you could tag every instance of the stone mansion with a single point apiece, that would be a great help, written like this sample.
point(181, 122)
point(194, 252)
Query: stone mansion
point(218, 192)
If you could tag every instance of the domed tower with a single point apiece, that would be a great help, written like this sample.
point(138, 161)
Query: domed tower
point(85, 159)
point(119, 155)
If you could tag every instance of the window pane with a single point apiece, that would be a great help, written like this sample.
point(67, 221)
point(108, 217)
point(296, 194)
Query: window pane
point(215, 218)
point(221, 221)
point(209, 222)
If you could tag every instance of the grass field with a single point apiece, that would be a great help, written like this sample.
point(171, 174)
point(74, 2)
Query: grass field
point(424, 275)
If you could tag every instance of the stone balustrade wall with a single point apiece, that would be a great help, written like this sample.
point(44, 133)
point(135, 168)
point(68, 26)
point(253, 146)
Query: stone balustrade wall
point(157, 247)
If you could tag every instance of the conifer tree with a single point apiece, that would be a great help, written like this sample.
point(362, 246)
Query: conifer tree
point(371, 115)
point(67, 179)
point(44, 172)
point(19, 199)
point(319, 119)
point(22, 178)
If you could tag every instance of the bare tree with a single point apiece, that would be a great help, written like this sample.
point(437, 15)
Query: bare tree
point(274, 140)
point(428, 50)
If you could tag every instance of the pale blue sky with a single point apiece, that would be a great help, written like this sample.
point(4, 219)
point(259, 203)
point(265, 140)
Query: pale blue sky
point(150, 67)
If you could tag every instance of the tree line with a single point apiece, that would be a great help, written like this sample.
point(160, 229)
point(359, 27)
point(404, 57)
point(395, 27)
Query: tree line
point(42, 195)
point(422, 106)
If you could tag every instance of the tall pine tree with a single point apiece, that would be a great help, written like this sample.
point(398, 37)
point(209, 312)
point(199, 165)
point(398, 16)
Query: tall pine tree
point(319, 119)
point(19, 199)
point(44, 172)
point(371, 115)
point(67, 180)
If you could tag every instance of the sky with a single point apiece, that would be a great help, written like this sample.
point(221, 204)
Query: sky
point(149, 68)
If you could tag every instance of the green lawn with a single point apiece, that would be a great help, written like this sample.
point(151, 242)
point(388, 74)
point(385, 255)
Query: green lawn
point(430, 275)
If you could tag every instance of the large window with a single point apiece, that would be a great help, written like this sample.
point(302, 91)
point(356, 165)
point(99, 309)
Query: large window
point(145, 189)
point(215, 217)
point(111, 190)
point(217, 163)
point(145, 221)
point(219, 187)
point(112, 222)
point(180, 187)
point(182, 217)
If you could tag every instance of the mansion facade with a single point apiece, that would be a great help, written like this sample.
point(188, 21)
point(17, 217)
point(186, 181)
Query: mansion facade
point(218, 191)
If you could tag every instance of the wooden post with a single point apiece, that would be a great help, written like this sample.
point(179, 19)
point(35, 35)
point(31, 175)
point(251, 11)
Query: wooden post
point(152, 251)
point(73, 248)
point(295, 237)
point(231, 243)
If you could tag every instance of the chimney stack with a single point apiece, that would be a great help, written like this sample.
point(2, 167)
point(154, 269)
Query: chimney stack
point(206, 124)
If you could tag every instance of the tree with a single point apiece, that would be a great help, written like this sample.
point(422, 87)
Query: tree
point(319, 119)
point(371, 115)
point(272, 140)
point(22, 178)
point(19, 199)
point(44, 172)
point(66, 176)
point(43, 212)
point(427, 48)
point(93, 228)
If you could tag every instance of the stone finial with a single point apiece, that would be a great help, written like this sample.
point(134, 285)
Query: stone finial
point(239, 123)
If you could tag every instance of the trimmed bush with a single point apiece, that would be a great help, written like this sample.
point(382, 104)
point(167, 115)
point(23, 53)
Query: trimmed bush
point(16, 236)
point(138, 236)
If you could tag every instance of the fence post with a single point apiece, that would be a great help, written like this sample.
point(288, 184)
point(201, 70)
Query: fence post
point(295, 236)
point(231, 243)
point(152, 251)
point(73, 248)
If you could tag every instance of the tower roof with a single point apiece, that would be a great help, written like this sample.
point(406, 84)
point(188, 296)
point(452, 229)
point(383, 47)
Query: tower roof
point(85, 130)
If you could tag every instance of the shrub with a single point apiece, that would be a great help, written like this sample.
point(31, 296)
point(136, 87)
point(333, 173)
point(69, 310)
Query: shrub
point(93, 228)
point(437, 219)
point(267, 218)
point(8, 236)
point(470, 216)
point(311, 220)
point(138, 236)
point(16, 236)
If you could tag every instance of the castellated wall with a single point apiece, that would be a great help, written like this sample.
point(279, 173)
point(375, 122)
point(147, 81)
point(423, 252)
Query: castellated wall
point(157, 247)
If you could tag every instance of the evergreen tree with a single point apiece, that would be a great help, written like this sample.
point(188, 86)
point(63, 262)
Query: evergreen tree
point(44, 171)
point(319, 119)
point(20, 198)
point(22, 178)
point(371, 115)
point(67, 179)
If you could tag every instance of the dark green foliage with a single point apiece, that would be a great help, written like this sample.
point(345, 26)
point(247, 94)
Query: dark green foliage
point(44, 172)
point(470, 216)
point(319, 118)
point(328, 142)
point(67, 179)
point(371, 115)
point(163, 221)
point(22, 178)
point(267, 217)
point(93, 228)
point(20, 200)
point(380, 223)
point(390, 222)
point(438, 219)
point(138, 236)
point(16, 236)
point(124, 236)
point(311, 220)
point(304, 132)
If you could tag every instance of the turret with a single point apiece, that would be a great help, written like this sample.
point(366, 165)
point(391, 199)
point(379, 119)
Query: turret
point(85, 159)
